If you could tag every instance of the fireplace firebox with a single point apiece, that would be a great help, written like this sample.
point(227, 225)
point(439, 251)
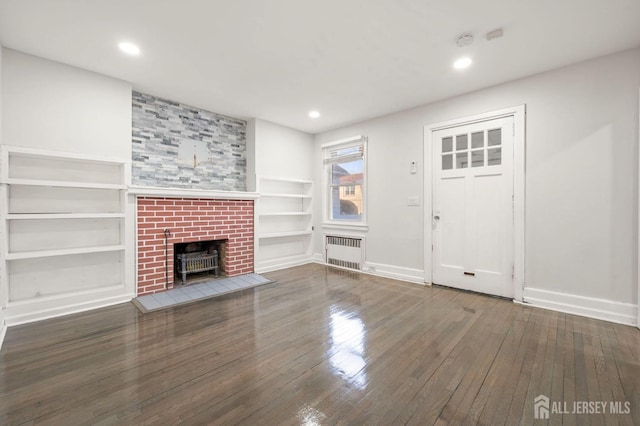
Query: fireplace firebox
point(198, 260)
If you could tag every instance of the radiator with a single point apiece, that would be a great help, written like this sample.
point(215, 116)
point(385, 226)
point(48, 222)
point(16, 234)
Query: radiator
point(345, 252)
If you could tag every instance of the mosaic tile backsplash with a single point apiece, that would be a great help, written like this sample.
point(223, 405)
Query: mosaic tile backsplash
point(179, 146)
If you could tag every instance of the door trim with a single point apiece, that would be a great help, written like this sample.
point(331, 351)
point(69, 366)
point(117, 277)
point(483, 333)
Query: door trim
point(518, 113)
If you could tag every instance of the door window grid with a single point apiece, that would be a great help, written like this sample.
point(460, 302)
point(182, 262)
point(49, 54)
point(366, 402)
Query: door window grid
point(485, 144)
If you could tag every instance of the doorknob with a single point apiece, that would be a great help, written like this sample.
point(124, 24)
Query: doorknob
point(436, 217)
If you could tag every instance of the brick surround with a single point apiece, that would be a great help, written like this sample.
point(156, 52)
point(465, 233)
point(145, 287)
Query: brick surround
point(189, 220)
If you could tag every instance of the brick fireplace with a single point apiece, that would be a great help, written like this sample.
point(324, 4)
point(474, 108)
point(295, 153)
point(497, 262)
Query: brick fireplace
point(191, 220)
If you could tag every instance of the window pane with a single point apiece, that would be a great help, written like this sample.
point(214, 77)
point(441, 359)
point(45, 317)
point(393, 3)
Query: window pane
point(346, 193)
point(462, 160)
point(447, 144)
point(344, 168)
point(346, 202)
point(494, 157)
point(495, 137)
point(345, 173)
point(477, 158)
point(477, 140)
point(461, 142)
point(447, 162)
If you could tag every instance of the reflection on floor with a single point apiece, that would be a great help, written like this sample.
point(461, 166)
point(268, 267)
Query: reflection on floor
point(195, 292)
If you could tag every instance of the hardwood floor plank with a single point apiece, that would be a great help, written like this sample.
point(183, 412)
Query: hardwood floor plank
point(319, 346)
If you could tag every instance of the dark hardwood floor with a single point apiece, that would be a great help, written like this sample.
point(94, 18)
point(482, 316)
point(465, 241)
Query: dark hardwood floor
point(319, 346)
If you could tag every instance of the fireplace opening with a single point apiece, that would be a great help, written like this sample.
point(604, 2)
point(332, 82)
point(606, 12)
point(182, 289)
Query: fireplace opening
point(198, 261)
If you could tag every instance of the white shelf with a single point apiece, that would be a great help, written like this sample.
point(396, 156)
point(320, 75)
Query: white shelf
point(285, 195)
point(62, 252)
point(75, 208)
point(285, 234)
point(285, 214)
point(35, 216)
point(54, 183)
point(283, 179)
point(283, 229)
point(142, 191)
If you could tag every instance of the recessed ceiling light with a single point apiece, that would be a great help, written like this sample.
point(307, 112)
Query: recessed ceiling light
point(314, 114)
point(129, 48)
point(462, 63)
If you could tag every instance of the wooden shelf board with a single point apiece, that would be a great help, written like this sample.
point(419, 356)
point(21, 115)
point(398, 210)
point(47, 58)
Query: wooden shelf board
point(284, 195)
point(36, 216)
point(63, 252)
point(286, 214)
point(284, 234)
point(282, 179)
point(63, 184)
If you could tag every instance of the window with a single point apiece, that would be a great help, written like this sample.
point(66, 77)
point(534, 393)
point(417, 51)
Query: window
point(344, 164)
point(350, 190)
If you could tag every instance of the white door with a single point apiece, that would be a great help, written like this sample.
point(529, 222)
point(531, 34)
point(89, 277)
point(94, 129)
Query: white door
point(473, 207)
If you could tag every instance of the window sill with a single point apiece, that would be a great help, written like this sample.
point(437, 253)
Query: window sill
point(361, 228)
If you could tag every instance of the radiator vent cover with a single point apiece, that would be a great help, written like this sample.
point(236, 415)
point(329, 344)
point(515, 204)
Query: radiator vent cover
point(344, 252)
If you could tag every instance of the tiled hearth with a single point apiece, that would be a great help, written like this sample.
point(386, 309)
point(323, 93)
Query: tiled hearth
point(190, 220)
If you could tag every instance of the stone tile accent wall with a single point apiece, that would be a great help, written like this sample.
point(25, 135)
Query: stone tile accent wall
point(191, 220)
point(179, 146)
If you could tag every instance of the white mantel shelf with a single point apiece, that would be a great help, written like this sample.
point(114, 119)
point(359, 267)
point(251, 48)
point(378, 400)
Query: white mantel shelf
point(140, 191)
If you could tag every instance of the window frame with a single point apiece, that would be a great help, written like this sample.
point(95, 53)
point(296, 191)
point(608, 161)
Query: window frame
point(327, 185)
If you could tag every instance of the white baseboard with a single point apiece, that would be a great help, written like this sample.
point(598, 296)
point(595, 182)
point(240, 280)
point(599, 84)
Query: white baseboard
point(22, 313)
point(388, 271)
point(396, 272)
point(282, 263)
point(608, 310)
point(3, 331)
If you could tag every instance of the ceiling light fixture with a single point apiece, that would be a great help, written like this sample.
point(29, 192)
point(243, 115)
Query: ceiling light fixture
point(129, 48)
point(314, 114)
point(464, 40)
point(462, 63)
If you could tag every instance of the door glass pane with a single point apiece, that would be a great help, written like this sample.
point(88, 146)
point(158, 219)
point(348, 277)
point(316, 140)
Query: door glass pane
point(494, 157)
point(447, 144)
point(462, 160)
point(477, 140)
point(477, 158)
point(461, 142)
point(447, 162)
point(494, 137)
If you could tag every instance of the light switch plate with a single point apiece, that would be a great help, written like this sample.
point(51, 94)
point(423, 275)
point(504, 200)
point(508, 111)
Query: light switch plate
point(413, 201)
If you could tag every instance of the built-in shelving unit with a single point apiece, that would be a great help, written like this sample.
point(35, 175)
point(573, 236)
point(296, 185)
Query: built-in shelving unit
point(63, 230)
point(283, 222)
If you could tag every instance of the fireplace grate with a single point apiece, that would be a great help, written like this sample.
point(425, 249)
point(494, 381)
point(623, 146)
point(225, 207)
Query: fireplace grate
point(202, 261)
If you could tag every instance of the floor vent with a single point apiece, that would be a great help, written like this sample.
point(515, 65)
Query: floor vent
point(345, 252)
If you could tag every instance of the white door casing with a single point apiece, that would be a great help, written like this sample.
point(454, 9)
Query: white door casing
point(472, 206)
point(517, 239)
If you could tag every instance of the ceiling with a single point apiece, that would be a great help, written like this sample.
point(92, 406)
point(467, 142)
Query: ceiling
point(349, 59)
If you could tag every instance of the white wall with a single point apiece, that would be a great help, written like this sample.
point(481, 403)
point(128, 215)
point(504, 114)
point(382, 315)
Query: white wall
point(581, 176)
point(277, 151)
point(53, 106)
point(3, 284)
point(281, 151)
